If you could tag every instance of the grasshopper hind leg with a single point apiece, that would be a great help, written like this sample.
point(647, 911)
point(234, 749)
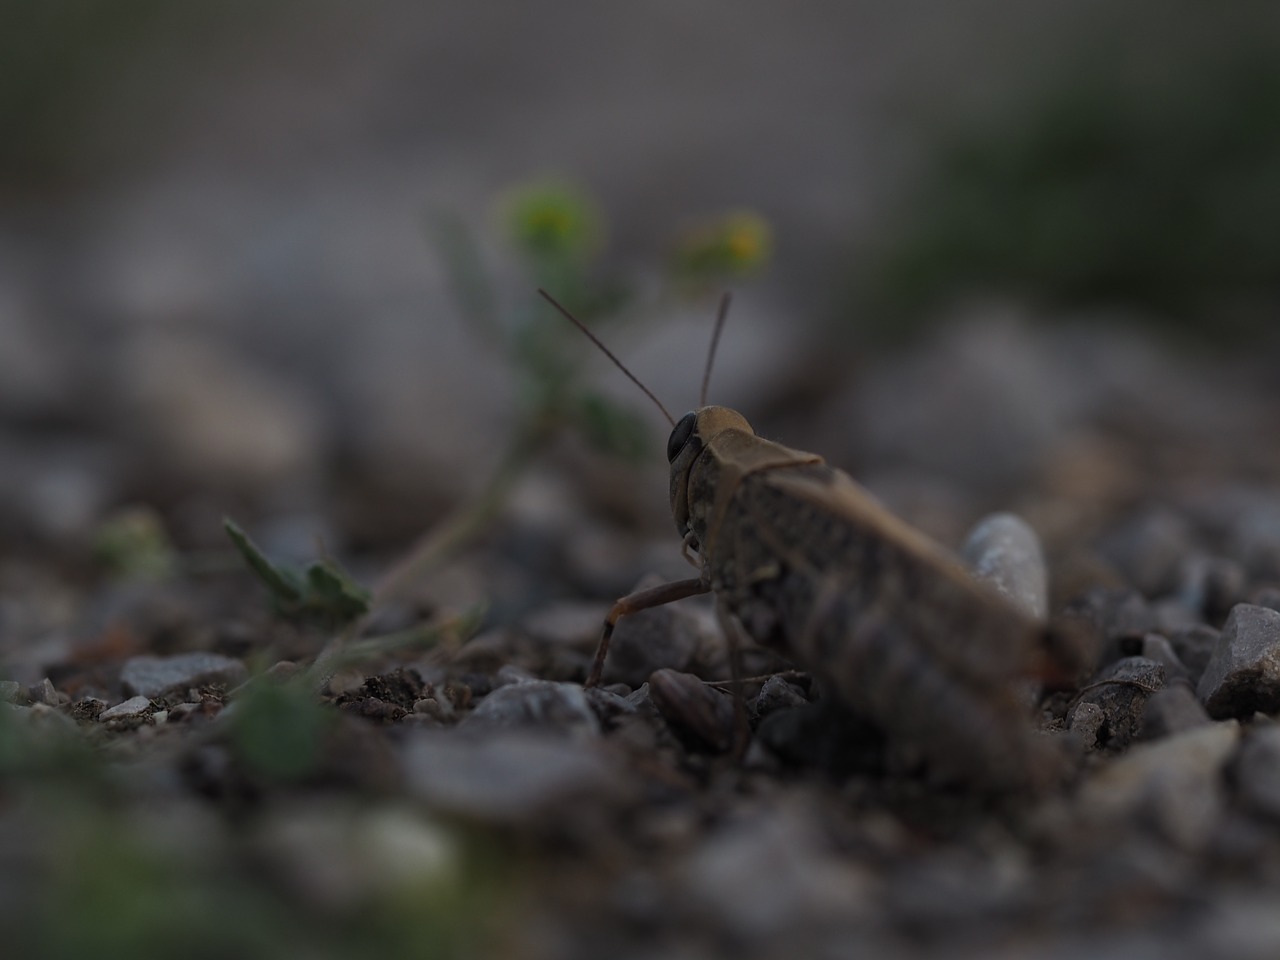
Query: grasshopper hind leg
point(634, 603)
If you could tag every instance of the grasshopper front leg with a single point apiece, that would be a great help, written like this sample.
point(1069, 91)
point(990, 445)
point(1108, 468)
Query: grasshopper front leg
point(634, 603)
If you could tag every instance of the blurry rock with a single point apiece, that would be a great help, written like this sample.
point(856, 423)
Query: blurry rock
point(777, 694)
point(1148, 548)
point(1243, 675)
point(1170, 614)
point(1118, 616)
point(1268, 597)
point(35, 375)
point(55, 489)
point(1194, 646)
point(1258, 770)
point(337, 857)
point(537, 704)
point(1085, 721)
point(152, 676)
point(1211, 586)
point(1005, 552)
point(654, 639)
point(1171, 711)
point(1254, 537)
point(11, 692)
point(1121, 692)
point(1173, 785)
point(609, 706)
point(697, 712)
point(509, 776)
point(824, 735)
point(133, 707)
point(44, 692)
point(209, 414)
point(772, 874)
point(1158, 648)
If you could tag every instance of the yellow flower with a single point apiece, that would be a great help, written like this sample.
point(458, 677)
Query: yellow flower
point(552, 218)
point(735, 244)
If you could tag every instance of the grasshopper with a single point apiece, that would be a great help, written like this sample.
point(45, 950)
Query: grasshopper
point(805, 561)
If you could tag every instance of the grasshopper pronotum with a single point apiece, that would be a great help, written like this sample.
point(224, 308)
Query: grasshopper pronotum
point(807, 562)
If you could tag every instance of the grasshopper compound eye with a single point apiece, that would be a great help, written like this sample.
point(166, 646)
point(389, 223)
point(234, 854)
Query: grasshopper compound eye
point(680, 435)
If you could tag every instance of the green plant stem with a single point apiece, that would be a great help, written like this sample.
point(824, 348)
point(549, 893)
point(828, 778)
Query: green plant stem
point(468, 521)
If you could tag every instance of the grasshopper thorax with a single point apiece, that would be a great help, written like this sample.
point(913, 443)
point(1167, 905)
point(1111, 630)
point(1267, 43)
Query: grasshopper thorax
point(689, 438)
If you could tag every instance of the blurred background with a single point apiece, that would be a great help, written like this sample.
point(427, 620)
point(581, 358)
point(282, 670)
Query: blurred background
point(279, 259)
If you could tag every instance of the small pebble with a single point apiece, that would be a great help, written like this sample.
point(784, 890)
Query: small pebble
point(437, 708)
point(1085, 721)
point(44, 692)
point(535, 704)
point(133, 707)
point(609, 706)
point(693, 709)
point(777, 694)
point(1243, 675)
point(152, 676)
point(1121, 692)
point(1005, 552)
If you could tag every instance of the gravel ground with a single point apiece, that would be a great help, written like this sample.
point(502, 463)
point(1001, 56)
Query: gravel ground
point(171, 757)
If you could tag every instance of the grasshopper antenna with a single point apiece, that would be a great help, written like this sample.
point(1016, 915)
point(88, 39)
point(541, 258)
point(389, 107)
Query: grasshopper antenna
point(721, 314)
point(605, 350)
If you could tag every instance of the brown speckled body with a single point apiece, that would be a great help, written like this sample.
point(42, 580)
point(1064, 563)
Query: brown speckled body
point(812, 566)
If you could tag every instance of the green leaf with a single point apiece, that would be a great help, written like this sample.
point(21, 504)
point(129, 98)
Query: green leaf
point(332, 592)
point(278, 730)
point(283, 584)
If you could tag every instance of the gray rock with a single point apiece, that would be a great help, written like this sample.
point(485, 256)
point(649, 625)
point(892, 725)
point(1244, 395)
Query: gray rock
point(1005, 552)
point(536, 704)
point(1243, 675)
point(152, 676)
point(1158, 648)
point(1172, 710)
point(609, 706)
point(44, 692)
point(698, 712)
point(506, 777)
point(777, 694)
point(653, 639)
point(1173, 785)
point(1148, 548)
point(11, 691)
point(133, 707)
point(1085, 721)
point(1258, 771)
point(1194, 646)
point(1121, 692)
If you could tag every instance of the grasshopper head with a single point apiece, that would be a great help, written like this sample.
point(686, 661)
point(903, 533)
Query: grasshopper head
point(688, 439)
